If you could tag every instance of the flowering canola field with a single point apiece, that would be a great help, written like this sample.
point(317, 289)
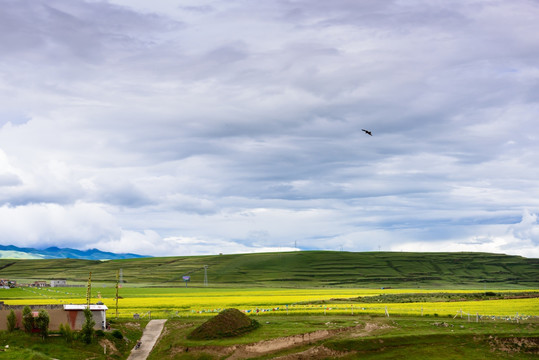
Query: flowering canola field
point(185, 302)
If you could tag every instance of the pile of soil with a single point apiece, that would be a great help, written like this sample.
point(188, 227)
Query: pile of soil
point(228, 323)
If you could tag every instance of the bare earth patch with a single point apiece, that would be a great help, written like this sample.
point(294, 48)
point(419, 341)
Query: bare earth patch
point(511, 345)
point(317, 352)
point(370, 328)
point(109, 345)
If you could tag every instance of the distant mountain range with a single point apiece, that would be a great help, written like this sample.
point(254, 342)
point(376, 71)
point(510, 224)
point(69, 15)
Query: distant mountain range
point(14, 252)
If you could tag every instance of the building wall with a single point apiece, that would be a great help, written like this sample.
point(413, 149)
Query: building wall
point(76, 319)
point(57, 315)
point(55, 283)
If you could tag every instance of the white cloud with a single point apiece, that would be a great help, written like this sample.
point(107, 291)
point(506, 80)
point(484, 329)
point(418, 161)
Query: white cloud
point(238, 125)
point(150, 243)
point(517, 239)
point(527, 230)
point(43, 225)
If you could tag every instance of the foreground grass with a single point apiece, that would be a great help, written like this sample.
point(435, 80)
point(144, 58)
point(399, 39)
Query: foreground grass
point(392, 338)
point(417, 338)
point(32, 346)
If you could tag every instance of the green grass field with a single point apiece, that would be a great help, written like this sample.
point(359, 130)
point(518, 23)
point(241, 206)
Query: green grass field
point(439, 305)
point(369, 337)
point(31, 346)
point(304, 269)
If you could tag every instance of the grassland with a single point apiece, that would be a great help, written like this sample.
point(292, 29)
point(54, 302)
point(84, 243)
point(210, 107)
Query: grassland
point(305, 269)
point(22, 346)
point(439, 305)
point(359, 336)
point(470, 328)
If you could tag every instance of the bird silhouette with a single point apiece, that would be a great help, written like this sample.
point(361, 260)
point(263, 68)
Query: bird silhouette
point(367, 132)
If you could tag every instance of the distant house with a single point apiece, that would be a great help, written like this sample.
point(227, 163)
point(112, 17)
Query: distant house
point(58, 283)
point(58, 314)
point(39, 283)
point(6, 284)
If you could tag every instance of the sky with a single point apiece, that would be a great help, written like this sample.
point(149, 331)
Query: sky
point(193, 127)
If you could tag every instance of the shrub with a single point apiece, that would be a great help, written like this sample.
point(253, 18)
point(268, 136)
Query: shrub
point(66, 332)
point(99, 333)
point(11, 321)
point(27, 319)
point(117, 334)
point(42, 322)
point(88, 327)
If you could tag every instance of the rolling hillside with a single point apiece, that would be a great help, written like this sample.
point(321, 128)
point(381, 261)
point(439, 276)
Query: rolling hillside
point(297, 269)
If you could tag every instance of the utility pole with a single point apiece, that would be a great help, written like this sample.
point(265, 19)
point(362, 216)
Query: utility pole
point(117, 285)
point(89, 290)
point(205, 275)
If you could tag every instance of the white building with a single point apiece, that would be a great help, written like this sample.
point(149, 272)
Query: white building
point(77, 319)
point(58, 283)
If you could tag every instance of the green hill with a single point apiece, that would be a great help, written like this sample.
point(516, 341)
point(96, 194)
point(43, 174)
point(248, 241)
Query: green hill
point(296, 269)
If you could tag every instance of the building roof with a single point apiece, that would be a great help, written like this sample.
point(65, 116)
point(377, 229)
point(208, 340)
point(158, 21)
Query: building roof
point(82, 307)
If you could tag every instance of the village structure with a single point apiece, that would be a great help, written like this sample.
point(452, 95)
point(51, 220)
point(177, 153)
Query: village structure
point(59, 314)
point(7, 284)
point(58, 283)
point(70, 314)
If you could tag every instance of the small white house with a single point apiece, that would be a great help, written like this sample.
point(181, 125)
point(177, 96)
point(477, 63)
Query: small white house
point(58, 283)
point(77, 319)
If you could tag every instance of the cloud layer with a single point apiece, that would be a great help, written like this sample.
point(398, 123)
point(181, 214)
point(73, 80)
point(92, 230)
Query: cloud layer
point(199, 127)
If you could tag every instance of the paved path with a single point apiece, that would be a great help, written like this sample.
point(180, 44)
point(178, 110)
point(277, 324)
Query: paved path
point(149, 338)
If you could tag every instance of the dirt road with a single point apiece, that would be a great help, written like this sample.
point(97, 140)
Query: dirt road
point(149, 338)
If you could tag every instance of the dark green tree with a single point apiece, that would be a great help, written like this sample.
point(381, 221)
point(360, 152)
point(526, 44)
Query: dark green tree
point(11, 321)
point(27, 319)
point(42, 322)
point(88, 327)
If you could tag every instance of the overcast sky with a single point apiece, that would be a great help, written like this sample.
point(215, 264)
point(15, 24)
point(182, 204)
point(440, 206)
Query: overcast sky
point(203, 127)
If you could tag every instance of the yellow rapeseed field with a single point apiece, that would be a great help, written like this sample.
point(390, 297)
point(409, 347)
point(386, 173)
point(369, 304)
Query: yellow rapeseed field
point(204, 301)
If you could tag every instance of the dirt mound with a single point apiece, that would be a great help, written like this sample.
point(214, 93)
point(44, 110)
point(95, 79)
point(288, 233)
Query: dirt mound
point(228, 323)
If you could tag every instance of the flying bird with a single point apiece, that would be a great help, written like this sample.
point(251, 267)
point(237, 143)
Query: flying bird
point(367, 132)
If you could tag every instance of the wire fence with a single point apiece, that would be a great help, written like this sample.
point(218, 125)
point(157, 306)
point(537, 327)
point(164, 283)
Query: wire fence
point(491, 310)
point(387, 311)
